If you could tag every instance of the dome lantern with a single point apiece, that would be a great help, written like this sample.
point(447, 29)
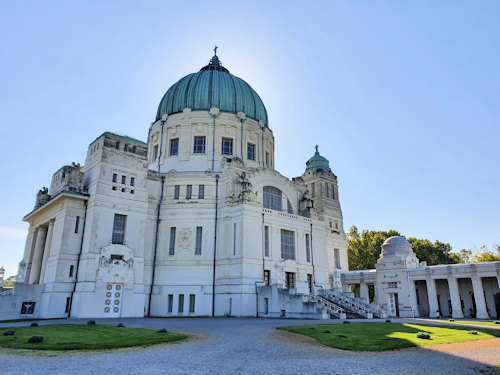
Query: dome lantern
point(317, 162)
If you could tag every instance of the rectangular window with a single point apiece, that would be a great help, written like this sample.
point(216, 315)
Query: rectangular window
point(199, 232)
point(177, 190)
point(266, 241)
point(267, 159)
point(336, 225)
point(155, 152)
point(68, 303)
point(199, 145)
point(290, 280)
point(132, 181)
point(125, 148)
point(333, 192)
point(310, 283)
point(124, 179)
point(117, 145)
point(171, 250)
point(114, 177)
point(77, 223)
point(201, 192)
point(234, 238)
point(250, 151)
point(170, 303)
point(118, 229)
point(267, 277)
point(71, 270)
point(313, 190)
point(336, 255)
point(189, 191)
point(227, 146)
point(308, 248)
point(181, 303)
point(174, 146)
point(191, 303)
point(287, 244)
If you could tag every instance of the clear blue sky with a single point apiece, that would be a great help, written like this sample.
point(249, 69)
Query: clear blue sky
point(403, 98)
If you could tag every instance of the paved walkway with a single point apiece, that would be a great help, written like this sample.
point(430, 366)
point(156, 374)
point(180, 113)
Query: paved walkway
point(244, 346)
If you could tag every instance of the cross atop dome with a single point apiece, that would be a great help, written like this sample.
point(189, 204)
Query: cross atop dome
point(215, 63)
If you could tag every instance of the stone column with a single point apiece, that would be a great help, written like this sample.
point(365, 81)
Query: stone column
point(46, 251)
point(456, 306)
point(413, 295)
point(37, 255)
point(363, 292)
point(477, 285)
point(432, 296)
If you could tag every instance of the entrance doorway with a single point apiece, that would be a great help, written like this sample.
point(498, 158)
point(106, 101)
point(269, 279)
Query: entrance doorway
point(113, 300)
point(393, 304)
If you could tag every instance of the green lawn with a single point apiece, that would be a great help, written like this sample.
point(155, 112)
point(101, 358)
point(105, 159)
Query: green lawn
point(478, 322)
point(386, 336)
point(86, 337)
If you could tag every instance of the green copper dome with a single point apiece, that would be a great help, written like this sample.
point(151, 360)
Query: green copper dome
point(213, 86)
point(317, 162)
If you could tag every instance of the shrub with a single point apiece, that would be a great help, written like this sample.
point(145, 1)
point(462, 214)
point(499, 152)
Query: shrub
point(473, 332)
point(346, 322)
point(9, 333)
point(451, 320)
point(387, 320)
point(327, 331)
point(35, 339)
point(162, 330)
point(121, 325)
point(496, 322)
point(91, 322)
point(34, 324)
point(424, 335)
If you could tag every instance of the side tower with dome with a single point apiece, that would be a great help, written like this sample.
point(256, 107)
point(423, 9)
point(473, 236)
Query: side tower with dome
point(195, 222)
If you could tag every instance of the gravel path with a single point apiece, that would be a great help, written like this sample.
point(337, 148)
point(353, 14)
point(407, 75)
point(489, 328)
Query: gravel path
point(238, 346)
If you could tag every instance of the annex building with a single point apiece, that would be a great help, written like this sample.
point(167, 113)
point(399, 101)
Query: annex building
point(196, 221)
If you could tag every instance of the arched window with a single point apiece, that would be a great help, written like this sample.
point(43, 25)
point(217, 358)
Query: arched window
point(272, 198)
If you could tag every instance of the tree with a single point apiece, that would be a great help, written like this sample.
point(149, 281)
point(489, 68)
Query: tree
point(433, 253)
point(477, 256)
point(487, 256)
point(363, 250)
point(9, 282)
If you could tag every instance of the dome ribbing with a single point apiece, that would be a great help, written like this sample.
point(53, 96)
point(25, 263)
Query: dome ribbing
point(213, 86)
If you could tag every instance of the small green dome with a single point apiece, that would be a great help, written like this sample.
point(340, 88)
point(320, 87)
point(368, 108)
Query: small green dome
point(317, 162)
point(213, 86)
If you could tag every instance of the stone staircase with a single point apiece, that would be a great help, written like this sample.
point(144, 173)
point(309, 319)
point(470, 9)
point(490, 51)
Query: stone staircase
point(328, 308)
point(354, 307)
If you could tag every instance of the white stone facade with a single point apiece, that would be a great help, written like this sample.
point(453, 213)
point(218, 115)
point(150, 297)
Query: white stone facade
point(406, 287)
point(197, 238)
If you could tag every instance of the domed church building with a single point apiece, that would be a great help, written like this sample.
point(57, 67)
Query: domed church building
point(194, 222)
point(198, 222)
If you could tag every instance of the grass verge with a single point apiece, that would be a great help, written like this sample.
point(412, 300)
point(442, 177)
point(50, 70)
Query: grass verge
point(384, 336)
point(478, 322)
point(84, 337)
